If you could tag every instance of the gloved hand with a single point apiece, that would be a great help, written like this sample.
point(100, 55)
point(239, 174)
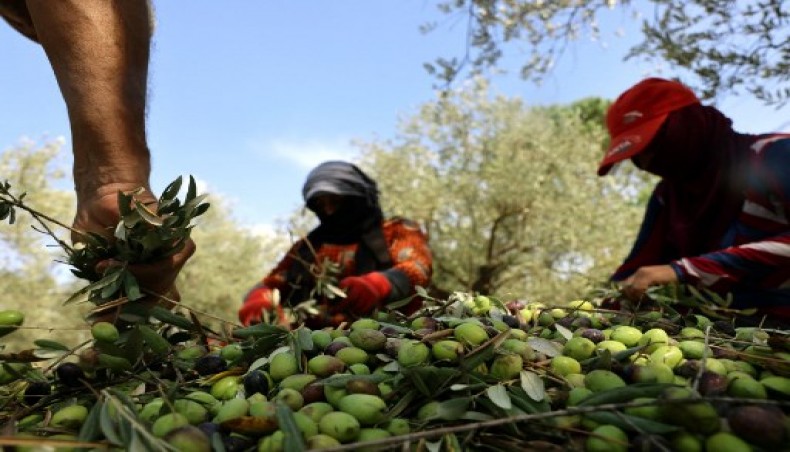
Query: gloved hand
point(258, 300)
point(363, 293)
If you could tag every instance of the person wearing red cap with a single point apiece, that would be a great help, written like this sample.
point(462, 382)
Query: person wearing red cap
point(381, 261)
point(719, 217)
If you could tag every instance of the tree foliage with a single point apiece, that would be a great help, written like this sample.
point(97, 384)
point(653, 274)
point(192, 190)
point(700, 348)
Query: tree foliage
point(508, 194)
point(723, 45)
point(27, 263)
point(229, 260)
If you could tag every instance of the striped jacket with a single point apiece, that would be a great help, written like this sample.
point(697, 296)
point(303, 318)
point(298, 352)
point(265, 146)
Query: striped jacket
point(754, 260)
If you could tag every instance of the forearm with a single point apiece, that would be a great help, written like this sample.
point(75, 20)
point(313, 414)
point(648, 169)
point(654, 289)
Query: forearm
point(99, 51)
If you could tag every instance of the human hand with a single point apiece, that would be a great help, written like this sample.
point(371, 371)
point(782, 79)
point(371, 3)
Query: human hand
point(363, 293)
point(258, 300)
point(97, 207)
point(97, 212)
point(635, 286)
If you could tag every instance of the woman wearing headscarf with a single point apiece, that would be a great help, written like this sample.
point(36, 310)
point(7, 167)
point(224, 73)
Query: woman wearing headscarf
point(380, 260)
point(720, 216)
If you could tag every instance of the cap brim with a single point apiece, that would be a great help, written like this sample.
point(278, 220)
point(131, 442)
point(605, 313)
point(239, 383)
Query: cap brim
point(630, 143)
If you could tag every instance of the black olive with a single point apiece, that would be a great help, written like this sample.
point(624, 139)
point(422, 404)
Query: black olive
point(210, 365)
point(209, 428)
point(37, 390)
point(254, 382)
point(724, 327)
point(712, 384)
point(390, 331)
point(594, 335)
point(334, 347)
point(70, 374)
point(581, 322)
point(688, 369)
point(235, 443)
point(567, 322)
point(511, 321)
point(168, 372)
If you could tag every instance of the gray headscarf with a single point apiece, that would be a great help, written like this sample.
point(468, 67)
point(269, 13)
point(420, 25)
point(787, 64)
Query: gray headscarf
point(340, 178)
point(357, 220)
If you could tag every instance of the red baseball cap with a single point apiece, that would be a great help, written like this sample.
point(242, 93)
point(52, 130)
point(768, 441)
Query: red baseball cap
point(637, 114)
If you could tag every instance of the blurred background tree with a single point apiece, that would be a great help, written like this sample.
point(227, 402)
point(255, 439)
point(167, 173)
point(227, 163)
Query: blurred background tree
point(716, 46)
point(229, 260)
point(31, 279)
point(509, 194)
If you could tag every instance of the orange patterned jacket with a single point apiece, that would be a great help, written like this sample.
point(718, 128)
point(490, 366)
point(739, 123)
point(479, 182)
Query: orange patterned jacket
point(408, 249)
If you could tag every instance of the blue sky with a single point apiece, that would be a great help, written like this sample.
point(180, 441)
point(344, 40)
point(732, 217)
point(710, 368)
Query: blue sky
point(248, 97)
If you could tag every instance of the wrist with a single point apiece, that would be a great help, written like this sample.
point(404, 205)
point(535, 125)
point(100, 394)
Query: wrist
point(96, 179)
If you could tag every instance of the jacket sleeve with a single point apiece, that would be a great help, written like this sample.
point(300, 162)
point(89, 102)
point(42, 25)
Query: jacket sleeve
point(650, 246)
point(763, 263)
point(411, 258)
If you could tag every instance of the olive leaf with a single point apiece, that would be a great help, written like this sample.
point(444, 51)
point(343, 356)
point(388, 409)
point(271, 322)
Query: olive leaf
point(293, 441)
point(108, 427)
point(526, 403)
point(91, 428)
point(566, 333)
point(545, 346)
point(499, 396)
point(453, 409)
point(339, 381)
point(164, 315)
point(625, 393)
point(50, 344)
point(533, 385)
point(631, 423)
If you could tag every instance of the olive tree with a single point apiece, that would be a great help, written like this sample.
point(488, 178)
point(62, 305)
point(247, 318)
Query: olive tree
point(718, 45)
point(32, 280)
point(229, 260)
point(508, 194)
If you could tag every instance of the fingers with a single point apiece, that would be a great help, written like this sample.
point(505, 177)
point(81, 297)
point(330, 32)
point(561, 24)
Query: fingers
point(159, 276)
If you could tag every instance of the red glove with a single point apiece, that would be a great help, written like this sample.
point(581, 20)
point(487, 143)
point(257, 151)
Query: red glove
point(259, 299)
point(363, 293)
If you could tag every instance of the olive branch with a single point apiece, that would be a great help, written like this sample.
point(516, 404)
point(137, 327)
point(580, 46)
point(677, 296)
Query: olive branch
point(144, 233)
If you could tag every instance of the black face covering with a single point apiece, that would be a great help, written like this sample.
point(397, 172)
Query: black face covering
point(684, 146)
point(346, 224)
point(358, 210)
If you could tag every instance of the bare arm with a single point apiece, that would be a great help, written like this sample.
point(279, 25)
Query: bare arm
point(99, 51)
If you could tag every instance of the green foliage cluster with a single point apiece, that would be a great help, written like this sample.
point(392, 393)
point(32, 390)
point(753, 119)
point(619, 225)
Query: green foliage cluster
point(723, 45)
